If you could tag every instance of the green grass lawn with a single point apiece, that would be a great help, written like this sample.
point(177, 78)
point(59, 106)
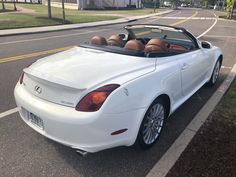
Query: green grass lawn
point(11, 21)
point(230, 103)
point(8, 8)
point(56, 10)
point(39, 17)
point(21, 20)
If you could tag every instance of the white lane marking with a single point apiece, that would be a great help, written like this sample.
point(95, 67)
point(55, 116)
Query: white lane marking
point(209, 28)
point(51, 37)
point(169, 15)
point(219, 36)
point(226, 67)
point(155, 18)
point(11, 111)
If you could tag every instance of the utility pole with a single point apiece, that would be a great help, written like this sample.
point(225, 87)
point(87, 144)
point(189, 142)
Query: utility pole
point(63, 12)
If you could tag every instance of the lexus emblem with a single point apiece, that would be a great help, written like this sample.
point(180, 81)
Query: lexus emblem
point(38, 89)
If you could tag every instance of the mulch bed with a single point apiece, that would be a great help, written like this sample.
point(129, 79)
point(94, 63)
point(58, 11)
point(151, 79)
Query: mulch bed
point(212, 152)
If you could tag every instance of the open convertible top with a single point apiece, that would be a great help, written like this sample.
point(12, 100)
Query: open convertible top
point(147, 41)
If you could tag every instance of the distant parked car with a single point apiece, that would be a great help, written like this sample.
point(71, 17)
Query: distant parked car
point(115, 92)
point(167, 4)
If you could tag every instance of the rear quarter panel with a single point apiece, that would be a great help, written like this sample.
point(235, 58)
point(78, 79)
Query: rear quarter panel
point(142, 91)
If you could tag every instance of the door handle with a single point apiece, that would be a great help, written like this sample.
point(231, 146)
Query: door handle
point(184, 66)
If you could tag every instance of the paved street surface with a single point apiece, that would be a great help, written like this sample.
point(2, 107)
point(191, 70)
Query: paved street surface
point(23, 152)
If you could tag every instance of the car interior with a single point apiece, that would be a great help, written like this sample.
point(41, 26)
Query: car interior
point(141, 46)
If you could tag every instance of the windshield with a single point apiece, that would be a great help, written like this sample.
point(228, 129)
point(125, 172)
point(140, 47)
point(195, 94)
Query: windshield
point(160, 32)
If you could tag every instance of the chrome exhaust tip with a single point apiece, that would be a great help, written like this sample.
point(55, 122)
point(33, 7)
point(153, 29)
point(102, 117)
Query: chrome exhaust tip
point(81, 152)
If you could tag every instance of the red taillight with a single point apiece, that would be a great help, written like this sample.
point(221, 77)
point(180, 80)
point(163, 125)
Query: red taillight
point(22, 75)
point(95, 99)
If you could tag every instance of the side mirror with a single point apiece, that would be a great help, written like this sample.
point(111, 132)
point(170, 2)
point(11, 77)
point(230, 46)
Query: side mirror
point(206, 45)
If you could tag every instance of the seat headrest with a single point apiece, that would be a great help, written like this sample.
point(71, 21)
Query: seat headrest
point(156, 45)
point(98, 40)
point(115, 40)
point(135, 45)
point(153, 48)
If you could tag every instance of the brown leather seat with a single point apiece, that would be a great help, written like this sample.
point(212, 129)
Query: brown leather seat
point(115, 40)
point(156, 45)
point(98, 40)
point(135, 45)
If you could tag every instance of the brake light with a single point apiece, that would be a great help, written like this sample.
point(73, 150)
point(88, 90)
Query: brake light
point(95, 99)
point(22, 74)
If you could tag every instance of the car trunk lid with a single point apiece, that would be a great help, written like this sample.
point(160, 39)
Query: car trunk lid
point(62, 78)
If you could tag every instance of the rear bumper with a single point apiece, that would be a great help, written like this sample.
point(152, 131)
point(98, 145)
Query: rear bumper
point(90, 132)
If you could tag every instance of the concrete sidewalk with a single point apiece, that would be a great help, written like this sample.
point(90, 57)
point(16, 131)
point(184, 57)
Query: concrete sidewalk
point(76, 26)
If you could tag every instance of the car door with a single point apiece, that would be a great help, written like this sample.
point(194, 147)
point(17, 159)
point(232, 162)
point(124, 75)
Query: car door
point(194, 68)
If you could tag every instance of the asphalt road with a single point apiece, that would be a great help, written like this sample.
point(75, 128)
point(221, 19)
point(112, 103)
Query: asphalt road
point(23, 152)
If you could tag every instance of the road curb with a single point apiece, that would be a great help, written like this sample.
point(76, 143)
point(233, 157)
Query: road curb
point(228, 20)
point(163, 166)
point(19, 31)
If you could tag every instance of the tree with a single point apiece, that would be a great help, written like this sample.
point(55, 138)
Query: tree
point(14, 4)
point(155, 5)
point(63, 12)
point(175, 3)
point(230, 5)
point(3, 6)
point(49, 9)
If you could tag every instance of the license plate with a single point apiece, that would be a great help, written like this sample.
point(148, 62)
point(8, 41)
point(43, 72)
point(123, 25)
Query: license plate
point(32, 118)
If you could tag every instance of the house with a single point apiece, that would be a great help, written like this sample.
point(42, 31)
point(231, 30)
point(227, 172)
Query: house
point(97, 4)
point(108, 4)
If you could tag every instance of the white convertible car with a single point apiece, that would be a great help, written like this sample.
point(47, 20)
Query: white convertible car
point(116, 91)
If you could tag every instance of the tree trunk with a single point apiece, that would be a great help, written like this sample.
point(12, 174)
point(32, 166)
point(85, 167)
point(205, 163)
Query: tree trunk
point(155, 6)
point(49, 9)
point(63, 12)
point(232, 12)
point(3, 6)
point(14, 3)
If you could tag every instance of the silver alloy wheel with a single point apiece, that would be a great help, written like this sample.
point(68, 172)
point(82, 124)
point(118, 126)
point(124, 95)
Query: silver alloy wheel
point(216, 72)
point(153, 124)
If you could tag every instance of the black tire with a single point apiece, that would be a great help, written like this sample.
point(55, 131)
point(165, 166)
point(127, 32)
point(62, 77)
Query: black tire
point(142, 140)
point(215, 74)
